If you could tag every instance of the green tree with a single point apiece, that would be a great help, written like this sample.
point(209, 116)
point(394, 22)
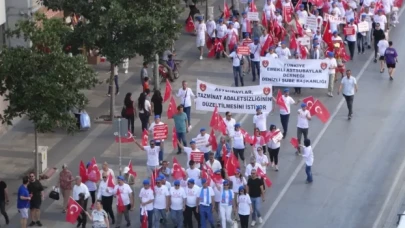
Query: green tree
point(42, 82)
point(120, 29)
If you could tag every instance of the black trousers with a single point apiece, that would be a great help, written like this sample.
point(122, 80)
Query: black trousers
point(239, 153)
point(244, 221)
point(107, 202)
point(375, 48)
point(131, 123)
point(274, 155)
point(93, 197)
point(188, 217)
point(349, 102)
point(3, 211)
point(82, 219)
point(352, 45)
point(144, 117)
point(284, 119)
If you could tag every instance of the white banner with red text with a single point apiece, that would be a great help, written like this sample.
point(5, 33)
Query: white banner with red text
point(310, 73)
point(233, 99)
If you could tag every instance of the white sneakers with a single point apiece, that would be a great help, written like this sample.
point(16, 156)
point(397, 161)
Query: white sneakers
point(201, 57)
point(190, 127)
point(260, 220)
point(254, 222)
point(330, 94)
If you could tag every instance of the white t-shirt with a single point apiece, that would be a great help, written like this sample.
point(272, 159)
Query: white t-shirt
point(255, 49)
point(260, 121)
point(232, 32)
point(238, 140)
point(236, 25)
point(288, 102)
point(275, 142)
point(336, 39)
point(249, 168)
point(331, 63)
point(125, 190)
point(160, 197)
point(302, 16)
point(145, 195)
point(244, 204)
point(302, 119)
point(244, 24)
point(235, 59)
point(217, 188)
point(194, 174)
point(188, 151)
point(216, 165)
point(185, 96)
point(192, 194)
point(380, 19)
point(348, 85)
point(230, 126)
point(211, 28)
point(272, 55)
point(206, 138)
point(387, 6)
point(269, 10)
point(237, 182)
point(152, 155)
point(262, 160)
point(201, 30)
point(221, 30)
point(308, 155)
point(206, 192)
point(225, 200)
point(177, 198)
point(382, 46)
point(284, 53)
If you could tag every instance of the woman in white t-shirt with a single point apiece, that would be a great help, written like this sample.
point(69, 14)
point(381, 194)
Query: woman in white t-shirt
point(238, 180)
point(274, 146)
point(144, 108)
point(244, 207)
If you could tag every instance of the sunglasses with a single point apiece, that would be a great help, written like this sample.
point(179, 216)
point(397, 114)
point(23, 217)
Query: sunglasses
point(104, 177)
point(177, 185)
point(229, 115)
point(152, 144)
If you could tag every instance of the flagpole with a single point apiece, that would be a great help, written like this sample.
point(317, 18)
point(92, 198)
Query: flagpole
point(119, 145)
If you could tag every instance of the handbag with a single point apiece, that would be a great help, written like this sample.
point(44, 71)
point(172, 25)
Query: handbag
point(252, 55)
point(241, 60)
point(54, 194)
point(124, 112)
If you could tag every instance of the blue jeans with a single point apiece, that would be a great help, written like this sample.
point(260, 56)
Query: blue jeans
point(237, 74)
point(161, 150)
point(150, 217)
point(177, 218)
point(206, 214)
point(117, 88)
point(308, 171)
point(159, 214)
point(255, 69)
point(256, 204)
point(187, 110)
point(181, 136)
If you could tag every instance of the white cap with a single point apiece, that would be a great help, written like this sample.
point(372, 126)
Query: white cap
point(126, 170)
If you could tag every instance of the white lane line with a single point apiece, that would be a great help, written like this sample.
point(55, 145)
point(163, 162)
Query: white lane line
point(318, 138)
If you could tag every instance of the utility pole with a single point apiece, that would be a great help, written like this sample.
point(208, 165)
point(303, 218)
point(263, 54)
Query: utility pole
point(156, 78)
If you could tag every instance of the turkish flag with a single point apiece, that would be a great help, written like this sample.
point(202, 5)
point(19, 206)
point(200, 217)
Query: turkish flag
point(317, 3)
point(212, 140)
point(320, 111)
point(145, 137)
point(205, 174)
point(309, 101)
point(224, 154)
point(190, 27)
point(144, 218)
point(230, 166)
point(300, 30)
point(221, 125)
point(345, 5)
point(233, 41)
point(208, 41)
point(171, 109)
point(280, 101)
point(110, 181)
point(217, 178)
point(327, 34)
point(131, 170)
point(267, 43)
point(293, 41)
point(174, 137)
point(270, 135)
point(129, 138)
point(326, 6)
point(177, 172)
point(303, 51)
point(214, 118)
point(153, 179)
point(294, 143)
point(120, 202)
point(297, 6)
point(93, 172)
point(279, 4)
point(264, 21)
point(248, 138)
point(253, 7)
point(83, 172)
point(168, 91)
point(73, 211)
point(227, 12)
point(266, 179)
point(248, 26)
point(257, 140)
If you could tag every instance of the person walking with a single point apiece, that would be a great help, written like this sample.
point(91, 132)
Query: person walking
point(152, 152)
point(158, 142)
point(255, 51)
point(378, 35)
point(285, 114)
point(82, 218)
point(244, 207)
point(129, 112)
point(382, 46)
point(157, 103)
point(332, 63)
point(127, 196)
point(391, 58)
point(274, 146)
point(185, 93)
point(92, 186)
point(362, 36)
point(65, 185)
point(99, 217)
point(105, 194)
point(237, 62)
point(4, 200)
point(81, 194)
point(351, 39)
point(206, 204)
point(226, 204)
point(160, 203)
point(177, 202)
point(201, 33)
point(230, 127)
point(302, 124)
point(117, 87)
point(147, 197)
point(348, 87)
point(37, 190)
point(206, 148)
point(144, 109)
point(308, 156)
point(255, 189)
point(23, 202)
point(181, 124)
point(239, 144)
point(192, 203)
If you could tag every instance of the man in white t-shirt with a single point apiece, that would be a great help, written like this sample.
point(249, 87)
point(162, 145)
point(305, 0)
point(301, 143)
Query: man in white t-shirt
point(146, 198)
point(252, 165)
point(152, 161)
point(125, 192)
point(193, 194)
point(178, 199)
point(230, 129)
point(302, 124)
point(260, 119)
point(211, 26)
point(382, 46)
point(192, 151)
point(201, 31)
point(332, 65)
point(255, 50)
point(157, 142)
point(283, 52)
point(204, 137)
point(213, 163)
point(285, 114)
point(161, 201)
point(382, 19)
point(236, 65)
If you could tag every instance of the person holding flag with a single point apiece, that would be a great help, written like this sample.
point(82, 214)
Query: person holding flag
point(259, 121)
point(91, 185)
point(308, 156)
point(255, 51)
point(189, 150)
point(285, 111)
point(253, 165)
point(213, 163)
point(99, 216)
point(302, 123)
point(105, 194)
point(273, 145)
point(261, 158)
point(221, 30)
point(125, 200)
point(146, 198)
point(129, 178)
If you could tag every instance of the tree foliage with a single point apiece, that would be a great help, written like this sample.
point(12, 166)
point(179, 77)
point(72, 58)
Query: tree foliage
point(43, 82)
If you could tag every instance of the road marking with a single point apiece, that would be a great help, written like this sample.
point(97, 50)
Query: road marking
point(318, 138)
